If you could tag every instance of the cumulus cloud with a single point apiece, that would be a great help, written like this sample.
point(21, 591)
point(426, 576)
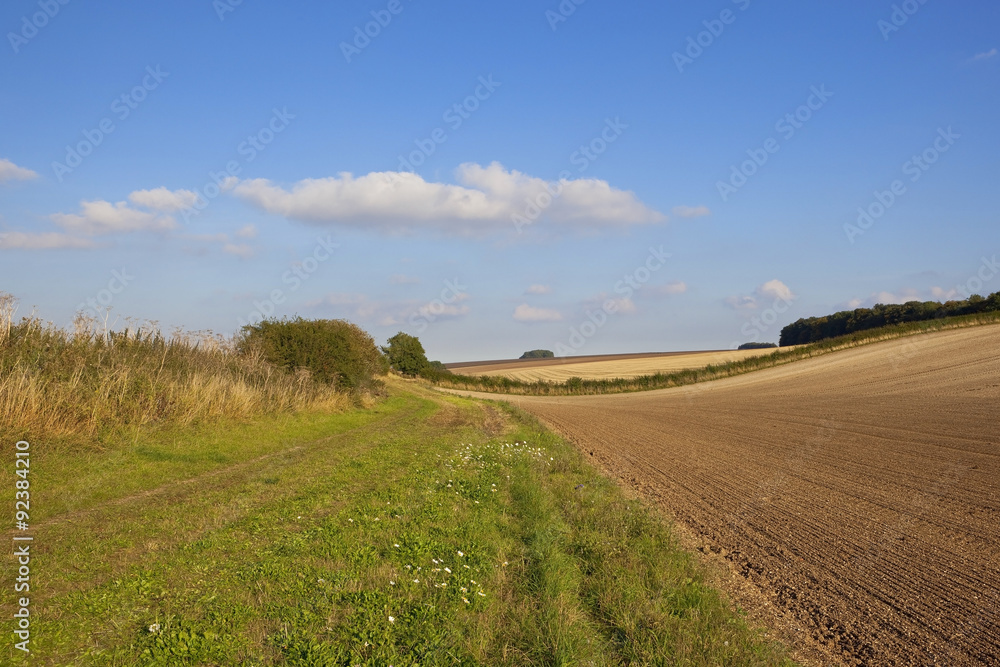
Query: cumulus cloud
point(691, 211)
point(42, 241)
point(772, 290)
point(484, 199)
point(102, 217)
point(526, 313)
point(538, 289)
point(11, 172)
point(162, 199)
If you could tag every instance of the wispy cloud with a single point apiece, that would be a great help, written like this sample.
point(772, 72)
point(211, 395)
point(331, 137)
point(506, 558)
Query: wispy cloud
point(102, 217)
point(538, 289)
point(11, 172)
point(526, 313)
point(484, 200)
point(985, 55)
point(400, 279)
point(42, 241)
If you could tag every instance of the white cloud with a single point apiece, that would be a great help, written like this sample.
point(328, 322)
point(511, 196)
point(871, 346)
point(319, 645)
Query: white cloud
point(526, 313)
point(485, 199)
point(775, 289)
point(538, 289)
point(668, 289)
point(247, 232)
point(400, 279)
point(771, 291)
point(102, 217)
point(691, 211)
point(11, 172)
point(162, 199)
point(985, 55)
point(42, 241)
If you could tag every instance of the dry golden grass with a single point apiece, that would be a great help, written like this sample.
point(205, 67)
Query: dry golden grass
point(624, 366)
point(80, 384)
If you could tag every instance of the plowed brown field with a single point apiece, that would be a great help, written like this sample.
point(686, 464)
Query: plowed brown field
point(858, 492)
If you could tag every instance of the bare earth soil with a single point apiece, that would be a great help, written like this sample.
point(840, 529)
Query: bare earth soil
point(858, 493)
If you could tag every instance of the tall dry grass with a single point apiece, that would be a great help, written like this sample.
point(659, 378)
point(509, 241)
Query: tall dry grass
point(93, 381)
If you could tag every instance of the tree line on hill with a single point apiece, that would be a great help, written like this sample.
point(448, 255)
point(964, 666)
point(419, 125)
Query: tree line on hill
point(812, 329)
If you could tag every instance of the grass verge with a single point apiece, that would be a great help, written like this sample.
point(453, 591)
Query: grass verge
point(579, 386)
point(430, 530)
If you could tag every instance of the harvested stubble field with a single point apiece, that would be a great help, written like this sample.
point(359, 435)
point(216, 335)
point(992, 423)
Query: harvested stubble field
point(603, 367)
point(854, 495)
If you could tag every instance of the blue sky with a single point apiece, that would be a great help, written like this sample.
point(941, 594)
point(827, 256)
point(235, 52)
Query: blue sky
point(495, 177)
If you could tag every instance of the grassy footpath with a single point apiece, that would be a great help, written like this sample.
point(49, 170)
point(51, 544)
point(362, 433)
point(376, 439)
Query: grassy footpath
point(429, 530)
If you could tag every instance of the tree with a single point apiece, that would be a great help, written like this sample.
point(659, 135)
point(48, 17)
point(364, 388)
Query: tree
point(406, 355)
point(538, 354)
point(756, 346)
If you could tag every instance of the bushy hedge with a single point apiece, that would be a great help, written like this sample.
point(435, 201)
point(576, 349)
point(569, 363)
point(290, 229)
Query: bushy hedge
point(336, 352)
point(812, 329)
point(756, 346)
point(538, 354)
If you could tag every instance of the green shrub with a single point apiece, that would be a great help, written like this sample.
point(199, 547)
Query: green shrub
point(336, 352)
point(757, 346)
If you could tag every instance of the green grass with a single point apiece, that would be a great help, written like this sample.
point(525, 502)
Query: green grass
point(292, 541)
point(579, 386)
